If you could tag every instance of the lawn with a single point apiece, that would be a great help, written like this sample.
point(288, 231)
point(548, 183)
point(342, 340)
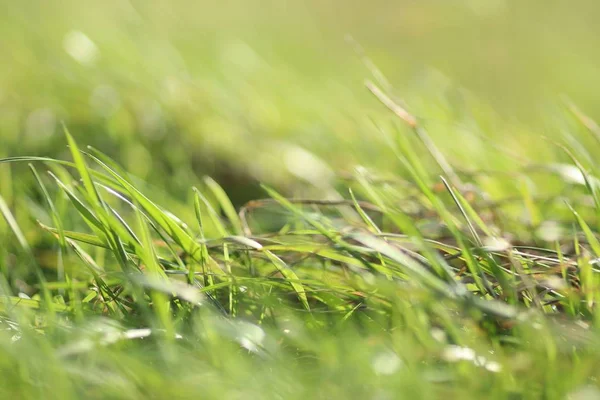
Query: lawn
point(299, 200)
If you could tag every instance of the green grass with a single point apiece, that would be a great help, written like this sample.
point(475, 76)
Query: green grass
point(427, 287)
point(355, 239)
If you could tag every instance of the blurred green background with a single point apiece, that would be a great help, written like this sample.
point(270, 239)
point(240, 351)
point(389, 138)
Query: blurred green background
point(258, 91)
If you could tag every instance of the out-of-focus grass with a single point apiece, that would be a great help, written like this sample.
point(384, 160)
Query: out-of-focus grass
point(203, 85)
point(356, 271)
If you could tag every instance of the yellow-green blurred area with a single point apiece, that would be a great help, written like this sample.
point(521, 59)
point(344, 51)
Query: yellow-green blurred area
point(273, 91)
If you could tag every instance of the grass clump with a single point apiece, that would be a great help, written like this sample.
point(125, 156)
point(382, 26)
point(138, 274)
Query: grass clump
point(425, 287)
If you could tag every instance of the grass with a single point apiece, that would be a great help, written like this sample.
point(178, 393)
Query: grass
point(347, 244)
point(427, 287)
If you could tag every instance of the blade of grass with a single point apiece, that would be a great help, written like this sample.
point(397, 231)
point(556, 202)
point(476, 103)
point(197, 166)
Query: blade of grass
point(421, 133)
point(14, 226)
point(83, 170)
point(290, 277)
point(366, 219)
point(592, 189)
point(225, 204)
